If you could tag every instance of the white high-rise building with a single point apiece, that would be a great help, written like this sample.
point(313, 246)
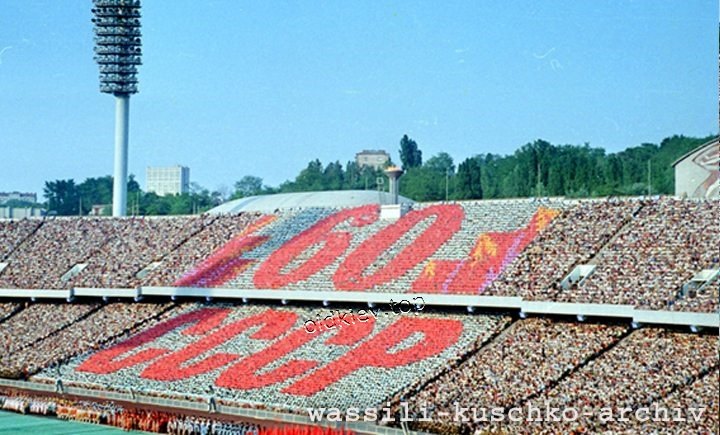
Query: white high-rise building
point(172, 180)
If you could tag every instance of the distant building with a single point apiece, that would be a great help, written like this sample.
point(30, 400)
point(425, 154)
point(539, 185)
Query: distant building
point(174, 180)
point(697, 173)
point(20, 212)
point(374, 158)
point(19, 196)
point(101, 210)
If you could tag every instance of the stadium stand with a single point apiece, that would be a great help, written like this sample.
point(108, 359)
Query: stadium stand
point(643, 252)
point(431, 249)
point(7, 310)
point(135, 243)
point(55, 247)
point(13, 233)
point(37, 322)
point(572, 238)
point(703, 393)
point(661, 249)
point(83, 335)
point(178, 265)
point(526, 359)
point(301, 368)
point(645, 367)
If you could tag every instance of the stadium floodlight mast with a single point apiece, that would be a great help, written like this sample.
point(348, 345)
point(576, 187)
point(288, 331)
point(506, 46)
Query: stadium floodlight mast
point(118, 54)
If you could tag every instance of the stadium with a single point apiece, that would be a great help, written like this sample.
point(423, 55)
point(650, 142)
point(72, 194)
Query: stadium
point(546, 294)
point(155, 322)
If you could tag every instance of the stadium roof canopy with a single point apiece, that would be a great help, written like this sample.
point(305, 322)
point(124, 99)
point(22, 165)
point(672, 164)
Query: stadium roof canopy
point(332, 198)
point(707, 145)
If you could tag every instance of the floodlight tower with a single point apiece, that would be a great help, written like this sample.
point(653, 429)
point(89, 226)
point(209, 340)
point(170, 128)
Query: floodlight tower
point(118, 54)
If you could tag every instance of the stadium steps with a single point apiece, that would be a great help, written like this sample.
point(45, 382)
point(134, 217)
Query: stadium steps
point(22, 242)
point(681, 292)
point(611, 240)
point(576, 368)
point(59, 329)
point(593, 260)
point(417, 387)
point(18, 308)
point(156, 263)
point(647, 404)
point(131, 331)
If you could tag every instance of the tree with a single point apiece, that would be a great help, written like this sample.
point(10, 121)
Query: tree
point(410, 154)
point(62, 197)
point(423, 184)
point(308, 180)
point(96, 191)
point(441, 163)
point(248, 185)
point(334, 176)
point(469, 179)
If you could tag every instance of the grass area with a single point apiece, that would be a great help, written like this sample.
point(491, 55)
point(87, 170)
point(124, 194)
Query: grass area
point(12, 423)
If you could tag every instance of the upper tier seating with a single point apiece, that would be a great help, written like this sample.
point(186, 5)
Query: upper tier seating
point(134, 244)
point(54, 248)
point(572, 238)
point(643, 250)
point(663, 247)
point(13, 233)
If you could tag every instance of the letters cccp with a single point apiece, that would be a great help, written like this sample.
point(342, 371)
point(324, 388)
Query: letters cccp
point(212, 328)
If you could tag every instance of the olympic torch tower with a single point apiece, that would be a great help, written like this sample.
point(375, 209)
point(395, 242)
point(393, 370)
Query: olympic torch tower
point(118, 54)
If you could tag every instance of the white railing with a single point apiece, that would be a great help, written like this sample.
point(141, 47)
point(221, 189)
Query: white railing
point(580, 310)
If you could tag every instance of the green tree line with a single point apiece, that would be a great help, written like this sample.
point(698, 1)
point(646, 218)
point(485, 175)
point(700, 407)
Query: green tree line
point(535, 169)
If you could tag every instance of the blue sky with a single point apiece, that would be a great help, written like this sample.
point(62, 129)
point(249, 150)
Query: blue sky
point(231, 88)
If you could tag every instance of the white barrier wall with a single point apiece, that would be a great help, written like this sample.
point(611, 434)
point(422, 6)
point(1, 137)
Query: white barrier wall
point(627, 312)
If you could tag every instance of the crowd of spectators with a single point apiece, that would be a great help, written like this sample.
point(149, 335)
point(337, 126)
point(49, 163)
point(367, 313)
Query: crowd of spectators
point(87, 334)
point(702, 396)
point(392, 254)
point(705, 299)
point(643, 368)
point(135, 244)
point(588, 368)
point(644, 250)
point(155, 421)
point(195, 249)
point(572, 238)
point(112, 414)
point(36, 322)
point(536, 361)
point(13, 233)
point(665, 245)
point(186, 425)
point(7, 309)
point(54, 248)
point(526, 359)
point(318, 347)
point(112, 250)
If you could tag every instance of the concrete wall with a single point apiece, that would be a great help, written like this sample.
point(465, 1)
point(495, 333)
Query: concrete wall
point(471, 302)
point(698, 174)
point(20, 213)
